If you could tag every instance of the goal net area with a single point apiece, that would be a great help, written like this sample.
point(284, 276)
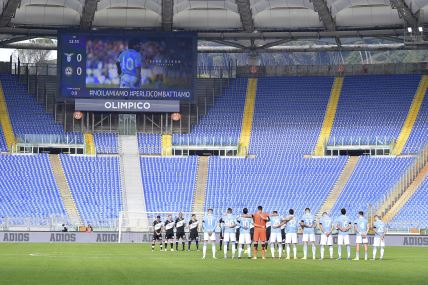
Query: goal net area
point(138, 226)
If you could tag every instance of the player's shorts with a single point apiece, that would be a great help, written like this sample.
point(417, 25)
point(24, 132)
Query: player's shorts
point(378, 241)
point(343, 240)
point(157, 237)
point(308, 237)
point(244, 238)
point(169, 235)
point(229, 237)
point(129, 81)
point(179, 235)
point(275, 237)
point(208, 237)
point(291, 238)
point(194, 235)
point(359, 239)
point(326, 240)
point(259, 235)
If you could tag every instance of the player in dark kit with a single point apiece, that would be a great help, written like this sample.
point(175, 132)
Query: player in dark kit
point(157, 232)
point(221, 222)
point(169, 232)
point(180, 234)
point(193, 229)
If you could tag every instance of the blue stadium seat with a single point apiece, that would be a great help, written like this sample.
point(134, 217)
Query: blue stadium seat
point(95, 185)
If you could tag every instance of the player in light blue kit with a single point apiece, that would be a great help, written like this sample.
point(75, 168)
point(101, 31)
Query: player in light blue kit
point(308, 224)
point(326, 227)
point(229, 235)
point(245, 225)
point(379, 239)
point(361, 226)
point(129, 66)
point(209, 225)
point(343, 225)
point(291, 229)
point(275, 233)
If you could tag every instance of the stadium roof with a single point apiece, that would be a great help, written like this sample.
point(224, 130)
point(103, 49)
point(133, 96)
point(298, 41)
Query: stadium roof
point(227, 22)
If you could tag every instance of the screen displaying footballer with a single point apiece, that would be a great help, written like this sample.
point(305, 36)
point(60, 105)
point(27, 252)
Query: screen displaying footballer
point(127, 64)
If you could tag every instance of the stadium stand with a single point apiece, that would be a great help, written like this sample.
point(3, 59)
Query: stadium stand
point(26, 115)
point(419, 135)
point(416, 209)
point(222, 122)
point(169, 183)
point(3, 145)
point(95, 185)
point(370, 182)
point(149, 143)
point(28, 188)
point(106, 143)
point(373, 106)
point(286, 124)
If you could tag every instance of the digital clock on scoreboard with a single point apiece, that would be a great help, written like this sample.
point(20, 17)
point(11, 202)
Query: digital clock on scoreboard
point(124, 64)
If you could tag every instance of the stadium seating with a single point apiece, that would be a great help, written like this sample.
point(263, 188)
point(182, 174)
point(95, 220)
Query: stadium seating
point(415, 211)
point(373, 106)
point(286, 125)
point(373, 177)
point(222, 123)
point(3, 145)
point(169, 183)
point(149, 143)
point(95, 185)
point(106, 142)
point(26, 115)
point(28, 187)
point(419, 135)
point(278, 183)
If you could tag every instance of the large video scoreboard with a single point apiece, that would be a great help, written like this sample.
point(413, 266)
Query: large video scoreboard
point(125, 64)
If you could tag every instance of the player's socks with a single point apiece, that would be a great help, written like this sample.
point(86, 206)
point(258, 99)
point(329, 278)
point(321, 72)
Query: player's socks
point(365, 255)
point(322, 251)
point(172, 246)
point(197, 244)
point(213, 249)
point(339, 251)
point(288, 250)
point(357, 255)
point(382, 250)
point(204, 250)
point(280, 250)
point(239, 251)
point(249, 250)
point(166, 246)
point(183, 243)
point(153, 246)
point(188, 246)
point(263, 251)
point(305, 250)
point(272, 250)
point(255, 250)
point(225, 250)
point(314, 251)
point(374, 252)
point(348, 250)
point(331, 252)
point(295, 251)
point(233, 249)
point(221, 243)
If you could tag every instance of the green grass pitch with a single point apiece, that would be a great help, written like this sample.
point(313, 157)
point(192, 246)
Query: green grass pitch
point(137, 264)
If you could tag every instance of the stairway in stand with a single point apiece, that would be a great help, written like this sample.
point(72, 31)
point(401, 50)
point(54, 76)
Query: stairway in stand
point(64, 190)
point(134, 203)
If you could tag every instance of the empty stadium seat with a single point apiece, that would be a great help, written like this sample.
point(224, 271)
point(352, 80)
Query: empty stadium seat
point(95, 185)
point(169, 183)
point(28, 187)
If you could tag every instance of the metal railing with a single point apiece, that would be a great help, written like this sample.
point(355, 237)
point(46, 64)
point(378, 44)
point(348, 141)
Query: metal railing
point(407, 178)
point(332, 70)
point(50, 139)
